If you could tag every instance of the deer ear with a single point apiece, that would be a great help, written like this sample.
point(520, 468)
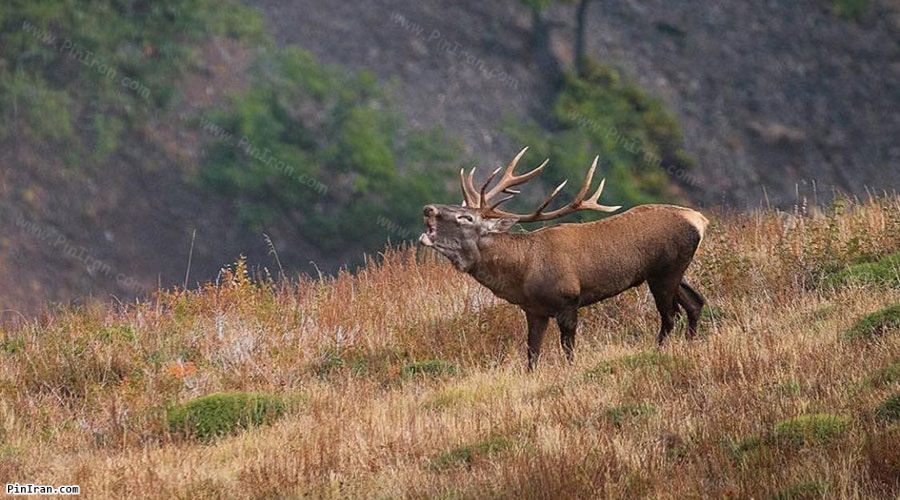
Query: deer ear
point(499, 225)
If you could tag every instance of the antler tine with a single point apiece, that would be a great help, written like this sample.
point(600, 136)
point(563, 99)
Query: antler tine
point(482, 201)
point(592, 201)
point(470, 196)
point(509, 179)
point(578, 203)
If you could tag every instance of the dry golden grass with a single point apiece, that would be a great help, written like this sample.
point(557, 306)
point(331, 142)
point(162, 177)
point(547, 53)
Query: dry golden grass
point(85, 391)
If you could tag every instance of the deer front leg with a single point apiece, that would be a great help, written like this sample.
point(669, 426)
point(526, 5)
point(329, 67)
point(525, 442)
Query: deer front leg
point(537, 325)
point(568, 324)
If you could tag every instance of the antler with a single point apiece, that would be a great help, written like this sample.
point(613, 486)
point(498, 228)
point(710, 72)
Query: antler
point(484, 200)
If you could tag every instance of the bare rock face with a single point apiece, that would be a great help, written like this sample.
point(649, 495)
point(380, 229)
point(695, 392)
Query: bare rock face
point(773, 97)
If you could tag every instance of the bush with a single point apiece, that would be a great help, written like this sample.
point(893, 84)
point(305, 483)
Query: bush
point(637, 139)
point(812, 429)
point(889, 409)
point(876, 324)
point(884, 272)
point(431, 367)
point(316, 149)
point(222, 414)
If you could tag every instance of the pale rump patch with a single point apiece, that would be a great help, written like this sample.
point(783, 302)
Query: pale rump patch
point(696, 219)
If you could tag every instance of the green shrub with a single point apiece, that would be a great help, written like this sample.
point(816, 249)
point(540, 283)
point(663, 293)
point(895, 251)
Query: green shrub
point(851, 9)
point(84, 73)
point(602, 114)
point(621, 414)
point(305, 135)
point(806, 490)
point(431, 367)
point(814, 429)
point(875, 324)
point(468, 454)
point(889, 409)
point(222, 414)
point(884, 272)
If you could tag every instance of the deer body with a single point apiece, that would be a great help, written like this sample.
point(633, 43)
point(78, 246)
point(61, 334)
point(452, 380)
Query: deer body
point(554, 271)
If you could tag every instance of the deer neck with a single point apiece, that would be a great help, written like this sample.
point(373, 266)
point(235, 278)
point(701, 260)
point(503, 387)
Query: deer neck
point(501, 263)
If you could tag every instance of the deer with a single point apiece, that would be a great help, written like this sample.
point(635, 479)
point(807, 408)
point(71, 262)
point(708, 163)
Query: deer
point(554, 271)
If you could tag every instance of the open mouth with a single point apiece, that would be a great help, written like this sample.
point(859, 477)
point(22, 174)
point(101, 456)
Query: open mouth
point(427, 237)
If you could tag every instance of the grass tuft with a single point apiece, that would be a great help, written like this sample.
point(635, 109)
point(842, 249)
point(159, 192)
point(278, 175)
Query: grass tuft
point(875, 324)
point(621, 414)
point(889, 409)
point(885, 376)
point(647, 361)
point(468, 454)
point(806, 490)
point(428, 368)
point(810, 430)
point(221, 414)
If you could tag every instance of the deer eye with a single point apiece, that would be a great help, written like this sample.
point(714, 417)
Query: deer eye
point(465, 218)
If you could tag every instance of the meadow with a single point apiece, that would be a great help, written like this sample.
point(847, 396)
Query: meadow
point(406, 379)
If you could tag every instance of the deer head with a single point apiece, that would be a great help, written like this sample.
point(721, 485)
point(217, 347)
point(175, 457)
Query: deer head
point(456, 231)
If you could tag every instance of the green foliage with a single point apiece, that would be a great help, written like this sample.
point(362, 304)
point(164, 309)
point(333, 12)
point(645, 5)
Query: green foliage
point(318, 149)
point(884, 272)
point(851, 9)
point(889, 409)
point(875, 324)
point(105, 65)
point(623, 413)
point(468, 454)
point(222, 414)
point(602, 114)
point(806, 490)
point(815, 429)
point(430, 368)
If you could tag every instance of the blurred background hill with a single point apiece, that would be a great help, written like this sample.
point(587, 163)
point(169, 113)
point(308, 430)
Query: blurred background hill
point(132, 131)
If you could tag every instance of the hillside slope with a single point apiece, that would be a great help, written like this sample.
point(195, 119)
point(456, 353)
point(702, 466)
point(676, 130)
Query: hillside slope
point(788, 390)
point(772, 96)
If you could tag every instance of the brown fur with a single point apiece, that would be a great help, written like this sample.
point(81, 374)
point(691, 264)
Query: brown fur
point(552, 272)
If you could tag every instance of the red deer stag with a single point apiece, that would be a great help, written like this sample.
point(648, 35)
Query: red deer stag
point(554, 271)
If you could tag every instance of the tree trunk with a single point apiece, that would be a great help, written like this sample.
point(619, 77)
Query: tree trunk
point(580, 43)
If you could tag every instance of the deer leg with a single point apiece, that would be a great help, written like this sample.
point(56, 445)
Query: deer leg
point(664, 295)
point(568, 324)
point(693, 303)
point(537, 325)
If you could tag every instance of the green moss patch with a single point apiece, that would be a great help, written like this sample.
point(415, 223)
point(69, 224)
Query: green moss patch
point(644, 361)
point(808, 430)
point(883, 273)
point(889, 409)
point(876, 324)
point(470, 453)
point(222, 414)
point(621, 414)
point(428, 368)
point(806, 490)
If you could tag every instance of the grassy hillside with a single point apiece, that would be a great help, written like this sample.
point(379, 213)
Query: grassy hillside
point(407, 380)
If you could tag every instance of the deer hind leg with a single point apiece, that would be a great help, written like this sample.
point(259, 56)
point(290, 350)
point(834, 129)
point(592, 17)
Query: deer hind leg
point(693, 303)
point(537, 325)
point(568, 324)
point(664, 293)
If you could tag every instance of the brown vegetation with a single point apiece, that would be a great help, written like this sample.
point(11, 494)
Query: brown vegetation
point(400, 384)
